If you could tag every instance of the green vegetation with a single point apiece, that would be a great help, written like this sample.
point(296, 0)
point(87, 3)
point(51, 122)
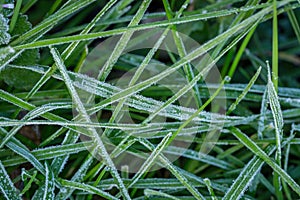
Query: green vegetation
point(61, 129)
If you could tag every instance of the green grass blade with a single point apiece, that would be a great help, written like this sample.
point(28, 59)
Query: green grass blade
point(275, 46)
point(15, 16)
point(210, 189)
point(236, 21)
point(28, 5)
point(294, 22)
point(240, 52)
point(52, 20)
point(243, 94)
point(29, 184)
point(180, 47)
point(49, 153)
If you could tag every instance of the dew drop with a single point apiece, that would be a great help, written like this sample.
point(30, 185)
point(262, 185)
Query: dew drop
point(227, 78)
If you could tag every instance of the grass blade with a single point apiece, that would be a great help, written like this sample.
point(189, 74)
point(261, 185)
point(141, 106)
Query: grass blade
point(148, 193)
point(294, 22)
point(56, 41)
point(210, 189)
point(245, 91)
point(122, 43)
point(88, 188)
point(32, 114)
point(49, 184)
point(278, 122)
point(263, 110)
point(151, 159)
point(85, 116)
point(254, 148)
point(7, 187)
point(275, 46)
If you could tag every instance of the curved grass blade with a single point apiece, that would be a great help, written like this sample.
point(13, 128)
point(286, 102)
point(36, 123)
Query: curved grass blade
point(49, 153)
point(210, 189)
point(28, 185)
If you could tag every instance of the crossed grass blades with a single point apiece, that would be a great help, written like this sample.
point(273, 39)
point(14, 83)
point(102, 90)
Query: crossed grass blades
point(44, 46)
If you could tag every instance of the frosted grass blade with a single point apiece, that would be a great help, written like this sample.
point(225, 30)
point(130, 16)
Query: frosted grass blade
point(85, 116)
point(262, 155)
point(6, 186)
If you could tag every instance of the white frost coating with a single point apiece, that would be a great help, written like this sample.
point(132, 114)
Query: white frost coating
point(4, 35)
point(6, 51)
point(106, 90)
point(6, 185)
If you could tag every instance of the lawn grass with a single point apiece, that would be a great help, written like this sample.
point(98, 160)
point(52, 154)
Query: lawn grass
point(218, 120)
